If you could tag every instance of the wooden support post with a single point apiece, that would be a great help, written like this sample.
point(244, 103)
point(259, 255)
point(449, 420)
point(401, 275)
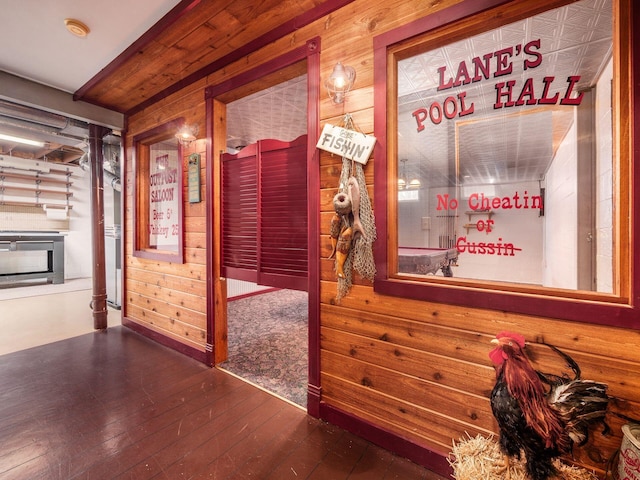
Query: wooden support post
point(99, 299)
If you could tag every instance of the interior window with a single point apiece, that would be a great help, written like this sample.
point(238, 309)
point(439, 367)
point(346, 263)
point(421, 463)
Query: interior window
point(502, 155)
point(159, 195)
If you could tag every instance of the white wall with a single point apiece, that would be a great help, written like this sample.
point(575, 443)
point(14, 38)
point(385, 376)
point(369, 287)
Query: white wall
point(561, 212)
point(604, 177)
point(561, 234)
point(78, 255)
point(238, 288)
point(410, 214)
point(520, 227)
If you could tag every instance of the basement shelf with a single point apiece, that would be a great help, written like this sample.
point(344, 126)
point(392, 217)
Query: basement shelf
point(12, 203)
point(35, 178)
point(471, 213)
point(37, 191)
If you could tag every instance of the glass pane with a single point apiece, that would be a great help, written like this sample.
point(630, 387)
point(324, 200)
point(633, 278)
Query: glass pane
point(164, 196)
point(505, 143)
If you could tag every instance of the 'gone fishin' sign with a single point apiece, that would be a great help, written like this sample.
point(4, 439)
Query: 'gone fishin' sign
point(346, 143)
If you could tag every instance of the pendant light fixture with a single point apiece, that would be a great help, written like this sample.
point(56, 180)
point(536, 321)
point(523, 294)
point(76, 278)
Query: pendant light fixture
point(404, 182)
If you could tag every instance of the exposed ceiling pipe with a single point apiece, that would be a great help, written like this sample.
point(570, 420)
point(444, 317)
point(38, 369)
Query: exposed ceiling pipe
point(50, 127)
point(29, 122)
point(109, 177)
point(45, 133)
point(30, 114)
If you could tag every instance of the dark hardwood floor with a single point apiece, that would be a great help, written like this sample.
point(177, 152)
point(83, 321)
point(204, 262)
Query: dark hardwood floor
point(117, 405)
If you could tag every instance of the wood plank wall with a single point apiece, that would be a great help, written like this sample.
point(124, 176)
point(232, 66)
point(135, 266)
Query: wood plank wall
point(168, 298)
point(417, 369)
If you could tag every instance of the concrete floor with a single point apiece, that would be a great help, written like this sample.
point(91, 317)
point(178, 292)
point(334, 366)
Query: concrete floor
point(39, 314)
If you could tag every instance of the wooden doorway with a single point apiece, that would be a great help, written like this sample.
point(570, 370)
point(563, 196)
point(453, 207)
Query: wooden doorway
point(264, 260)
point(303, 60)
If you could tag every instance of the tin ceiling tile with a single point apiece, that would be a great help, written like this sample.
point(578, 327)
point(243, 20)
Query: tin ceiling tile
point(498, 152)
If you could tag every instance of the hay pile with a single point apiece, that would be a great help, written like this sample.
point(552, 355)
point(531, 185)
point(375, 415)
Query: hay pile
point(480, 458)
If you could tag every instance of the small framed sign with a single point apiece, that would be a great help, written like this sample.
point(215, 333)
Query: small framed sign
point(347, 143)
point(193, 177)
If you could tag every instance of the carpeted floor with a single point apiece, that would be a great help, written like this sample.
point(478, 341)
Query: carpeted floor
point(268, 343)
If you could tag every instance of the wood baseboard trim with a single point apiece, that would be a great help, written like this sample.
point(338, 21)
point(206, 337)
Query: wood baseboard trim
point(203, 357)
point(434, 461)
point(314, 393)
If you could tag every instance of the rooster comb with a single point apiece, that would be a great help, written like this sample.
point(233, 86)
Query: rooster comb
point(516, 337)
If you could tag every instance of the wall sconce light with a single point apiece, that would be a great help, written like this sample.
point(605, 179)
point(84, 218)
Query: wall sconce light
point(404, 182)
point(187, 134)
point(340, 82)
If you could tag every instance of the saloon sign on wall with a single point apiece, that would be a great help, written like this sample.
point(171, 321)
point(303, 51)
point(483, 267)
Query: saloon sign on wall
point(164, 226)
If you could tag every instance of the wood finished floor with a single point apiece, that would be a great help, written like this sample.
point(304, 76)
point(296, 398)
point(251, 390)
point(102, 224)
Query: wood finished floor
point(116, 405)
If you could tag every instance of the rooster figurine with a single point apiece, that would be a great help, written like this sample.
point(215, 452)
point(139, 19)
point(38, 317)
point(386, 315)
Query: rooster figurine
point(539, 414)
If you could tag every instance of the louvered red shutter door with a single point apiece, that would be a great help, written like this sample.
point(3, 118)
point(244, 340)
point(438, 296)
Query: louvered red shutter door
point(240, 214)
point(282, 236)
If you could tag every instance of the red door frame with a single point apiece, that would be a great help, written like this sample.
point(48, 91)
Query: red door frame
point(311, 53)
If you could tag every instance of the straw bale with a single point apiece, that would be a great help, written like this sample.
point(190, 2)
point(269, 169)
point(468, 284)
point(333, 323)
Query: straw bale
point(480, 458)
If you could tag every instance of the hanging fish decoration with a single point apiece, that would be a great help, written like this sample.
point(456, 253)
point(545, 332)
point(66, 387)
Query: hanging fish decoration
point(342, 250)
point(342, 203)
point(354, 194)
point(336, 223)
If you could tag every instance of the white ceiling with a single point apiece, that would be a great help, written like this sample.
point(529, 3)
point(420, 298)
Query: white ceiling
point(37, 46)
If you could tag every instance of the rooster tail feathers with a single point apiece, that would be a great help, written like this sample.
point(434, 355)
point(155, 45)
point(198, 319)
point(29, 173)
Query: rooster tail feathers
point(571, 363)
point(578, 392)
point(578, 428)
point(581, 403)
point(553, 380)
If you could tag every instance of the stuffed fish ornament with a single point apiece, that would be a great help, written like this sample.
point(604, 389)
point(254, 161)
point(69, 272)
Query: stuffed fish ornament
point(342, 250)
point(334, 232)
point(354, 194)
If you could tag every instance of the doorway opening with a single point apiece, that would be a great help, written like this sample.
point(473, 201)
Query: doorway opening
point(264, 227)
point(268, 342)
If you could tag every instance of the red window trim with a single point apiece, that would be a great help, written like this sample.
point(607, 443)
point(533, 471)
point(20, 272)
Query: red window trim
point(620, 312)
